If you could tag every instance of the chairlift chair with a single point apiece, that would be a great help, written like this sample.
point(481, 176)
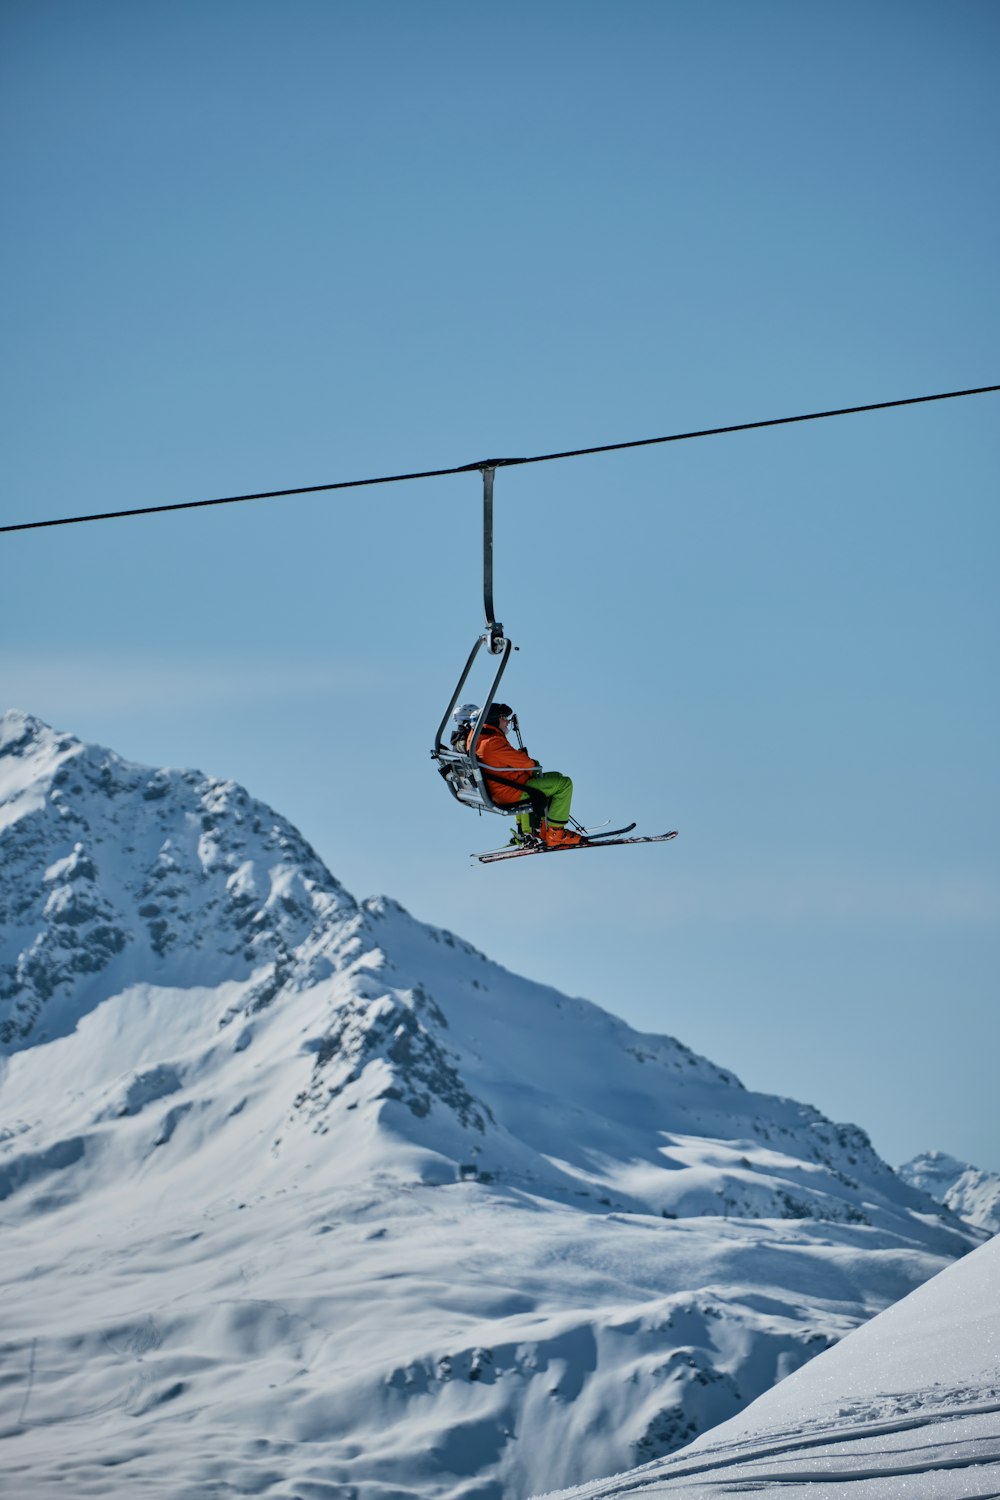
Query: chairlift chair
point(463, 773)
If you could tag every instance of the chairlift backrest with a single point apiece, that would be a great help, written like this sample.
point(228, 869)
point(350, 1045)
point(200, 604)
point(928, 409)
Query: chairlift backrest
point(459, 764)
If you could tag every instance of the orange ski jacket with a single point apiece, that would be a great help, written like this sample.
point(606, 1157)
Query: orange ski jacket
point(494, 749)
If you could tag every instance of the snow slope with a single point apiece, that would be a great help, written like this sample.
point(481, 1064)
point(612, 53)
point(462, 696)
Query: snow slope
point(905, 1408)
point(968, 1191)
point(302, 1197)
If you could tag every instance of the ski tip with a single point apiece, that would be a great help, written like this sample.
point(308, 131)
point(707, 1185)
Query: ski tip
point(594, 835)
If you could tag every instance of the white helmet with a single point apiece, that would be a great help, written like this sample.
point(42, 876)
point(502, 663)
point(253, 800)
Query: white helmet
point(466, 713)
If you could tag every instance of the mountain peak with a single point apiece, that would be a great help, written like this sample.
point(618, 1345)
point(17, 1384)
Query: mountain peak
point(968, 1191)
point(30, 754)
point(19, 731)
point(113, 872)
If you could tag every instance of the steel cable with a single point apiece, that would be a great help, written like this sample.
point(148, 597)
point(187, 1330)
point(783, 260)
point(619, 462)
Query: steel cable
point(494, 463)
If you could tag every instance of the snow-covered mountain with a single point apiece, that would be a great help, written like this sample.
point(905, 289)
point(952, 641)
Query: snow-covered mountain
point(968, 1191)
point(905, 1408)
point(303, 1197)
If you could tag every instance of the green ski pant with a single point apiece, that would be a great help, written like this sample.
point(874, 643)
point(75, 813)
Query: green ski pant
point(558, 789)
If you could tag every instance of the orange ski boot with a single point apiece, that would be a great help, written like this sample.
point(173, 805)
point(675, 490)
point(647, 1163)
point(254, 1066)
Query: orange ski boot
point(558, 836)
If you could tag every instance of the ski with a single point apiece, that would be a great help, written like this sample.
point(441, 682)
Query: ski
point(491, 856)
point(604, 832)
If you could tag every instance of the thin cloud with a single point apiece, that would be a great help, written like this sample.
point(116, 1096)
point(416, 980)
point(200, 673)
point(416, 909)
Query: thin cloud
point(76, 682)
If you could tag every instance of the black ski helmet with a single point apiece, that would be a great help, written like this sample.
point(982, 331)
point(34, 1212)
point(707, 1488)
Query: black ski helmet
point(498, 711)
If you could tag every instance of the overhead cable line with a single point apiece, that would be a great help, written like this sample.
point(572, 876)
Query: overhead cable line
point(495, 463)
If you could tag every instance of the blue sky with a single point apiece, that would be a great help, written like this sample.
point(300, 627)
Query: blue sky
point(259, 245)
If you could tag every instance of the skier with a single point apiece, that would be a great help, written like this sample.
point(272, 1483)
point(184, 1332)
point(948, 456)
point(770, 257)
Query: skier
point(494, 749)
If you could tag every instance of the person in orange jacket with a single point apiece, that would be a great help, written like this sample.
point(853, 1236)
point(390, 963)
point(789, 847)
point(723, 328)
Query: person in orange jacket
point(519, 771)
